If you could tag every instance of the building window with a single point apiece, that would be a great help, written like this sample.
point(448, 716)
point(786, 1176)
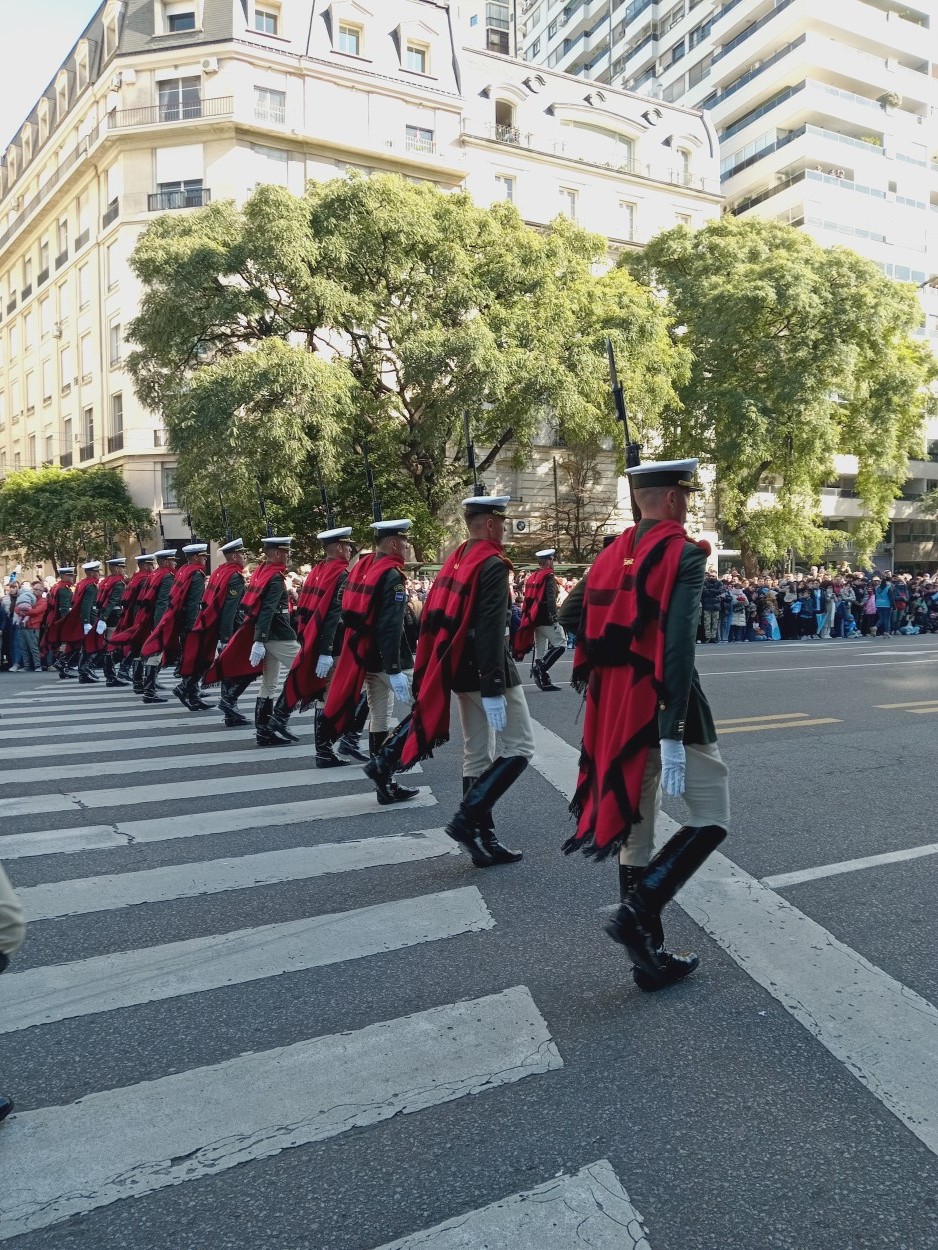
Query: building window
point(110, 263)
point(114, 344)
point(44, 258)
point(29, 328)
point(47, 381)
point(177, 22)
point(180, 98)
point(85, 356)
point(418, 58)
point(30, 392)
point(270, 105)
point(168, 485)
point(683, 219)
point(506, 187)
point(67, 368)
point(87, 434)
point(50, 443)
point(61, 233)
point(16, 408)
point(187, 194)
point(627, 212)
point(27, 276)
point(16, 460)
point(266, 21)
point(14, 343)
point(419, 139)
point(350, 39)
point(568, 199)
point(65, 302)
point(31, 451)
point(84, 286)
point(117, 413)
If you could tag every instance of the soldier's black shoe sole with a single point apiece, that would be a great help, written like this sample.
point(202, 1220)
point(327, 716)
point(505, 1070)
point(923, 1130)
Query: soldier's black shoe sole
point(676, 968)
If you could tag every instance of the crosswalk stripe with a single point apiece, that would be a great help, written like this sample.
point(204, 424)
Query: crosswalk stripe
point(782, 880)
point(154, 973)
point(89, 745)
point(108, 893)
point(126, 725)
point(922, 711)
point(915, 703)
point(751, 720)
point(178, 791)
point(248, 754)
point(203, 1121)
point(91, 717)
point(198, 824)
point(777, 724)
point(588, 1209)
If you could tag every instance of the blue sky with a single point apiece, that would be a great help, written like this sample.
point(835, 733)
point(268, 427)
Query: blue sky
point(37, 35)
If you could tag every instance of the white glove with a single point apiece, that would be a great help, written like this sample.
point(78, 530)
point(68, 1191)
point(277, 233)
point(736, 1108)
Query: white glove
point(496, 711)
point(673, 764)
point(101, 627)
point(400, 684)
point(323, 666)
point(219, 649)
point(87, 629)
point(258, 651)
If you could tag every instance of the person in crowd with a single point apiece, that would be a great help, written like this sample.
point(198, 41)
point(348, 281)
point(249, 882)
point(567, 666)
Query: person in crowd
point(31, 616)
point(882, 598)
point(711, 601)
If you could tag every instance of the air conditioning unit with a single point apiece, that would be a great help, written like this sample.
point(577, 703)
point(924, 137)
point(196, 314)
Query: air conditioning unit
point(117, 82)
point(129, 76)
point(210, 65)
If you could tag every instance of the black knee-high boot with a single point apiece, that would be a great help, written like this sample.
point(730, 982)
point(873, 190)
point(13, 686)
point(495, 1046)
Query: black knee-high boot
point(111, 677)
point(138, 676)
point(469, 825)
point(150, 694)
point(231, 691)
point(325, 756)
point(386, 751)
point(277, 725)
point(86, 673)
point(349, 745)
point(500, 854)
point(549, 660)
point(633, 922)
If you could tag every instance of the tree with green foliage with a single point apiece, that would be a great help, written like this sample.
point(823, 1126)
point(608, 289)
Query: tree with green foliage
point(63, 515)
point(283, 337)
point(799, 353)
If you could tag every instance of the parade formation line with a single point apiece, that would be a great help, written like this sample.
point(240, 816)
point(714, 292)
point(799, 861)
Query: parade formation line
point(205, 1120)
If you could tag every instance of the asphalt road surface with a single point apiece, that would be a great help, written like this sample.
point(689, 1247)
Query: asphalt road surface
point(256, 1010)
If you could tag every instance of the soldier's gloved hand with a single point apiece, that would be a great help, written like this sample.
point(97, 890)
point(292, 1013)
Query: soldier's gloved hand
point(100, 627)
point(400, 684)
point(258, 651)
point(496, 711)
point(673, 765)
point(219, 649)
point(323, 666)
point(87, 629)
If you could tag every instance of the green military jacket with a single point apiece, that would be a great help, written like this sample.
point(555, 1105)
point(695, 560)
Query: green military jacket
point(273, 620)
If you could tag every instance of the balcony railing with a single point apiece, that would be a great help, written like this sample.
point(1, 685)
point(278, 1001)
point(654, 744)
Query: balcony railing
point(111, 213)
point(43, 276)
point(26, 291)
point(11, 305)
point(65, 460)
point(750, 30)
point(160, 438)
point(184, 111)
point(86, 452)
point(165, 201)
point(414, 144)
point(274, 116)
point(115, 442)
point(82, 239)
point(61, 259)
point(82, 148)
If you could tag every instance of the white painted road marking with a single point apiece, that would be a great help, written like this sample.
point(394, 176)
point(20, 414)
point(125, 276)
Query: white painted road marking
point(203, 1121)
point(247, 754)
point(125, 725)
point(590, 1209)
point(151, 885)
point(782, 879)
point(167, 828)
point(152, 973)
point(178, 791)
point(885, 1034)
point(114, 746)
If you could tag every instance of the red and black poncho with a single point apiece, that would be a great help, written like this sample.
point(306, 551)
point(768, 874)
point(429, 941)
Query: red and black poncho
point(129, 601)
point(444, 626)
point(136, 632)
point(302, 685)
point(619, 662)
point(235, 660)
point(359, 615)
point(534, 587)
point(48, 620)
point(164, 640)
point(70, 629)
point(198, 649)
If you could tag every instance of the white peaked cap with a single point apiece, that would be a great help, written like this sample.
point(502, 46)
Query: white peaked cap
point(665, 473)
point(277, 542)
point(195, 549)
point(92, 564)
point(236, 544)
point(333, 536)
point(542, 555)
point(387, 529)
point(479, 505)
point(166, 554)
point(117, 560)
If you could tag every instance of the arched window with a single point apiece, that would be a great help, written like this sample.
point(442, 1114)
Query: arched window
point(597, 144)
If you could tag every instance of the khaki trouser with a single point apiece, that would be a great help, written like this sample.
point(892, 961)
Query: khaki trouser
point(706, 793)
point(278, 652)
point(479, 739)
point(12, 927)
point(547, 636)
point(380, 702)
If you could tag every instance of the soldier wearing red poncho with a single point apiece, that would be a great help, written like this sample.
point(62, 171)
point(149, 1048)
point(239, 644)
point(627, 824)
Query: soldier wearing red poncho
point(153, 602)
point(133, 623)
point(212, 629)
point(318, 627)
point(171, 626)
point(58, 606)
point(463, 650)
point(539, 627)
point(76, 629)
point(107, 608)
point(647, 719)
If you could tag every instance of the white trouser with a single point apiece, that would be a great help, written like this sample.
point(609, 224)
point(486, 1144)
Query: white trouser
point(277, 653)
point(706, 793)
point(479, 739)
point(547, 636)
point(380, 701)
point(12, 927)
point(153, 661)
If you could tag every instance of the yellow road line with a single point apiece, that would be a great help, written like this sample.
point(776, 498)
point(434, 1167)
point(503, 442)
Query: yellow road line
point(922, 711)
point(792, 724)
point(916, 703)
point(750, 720)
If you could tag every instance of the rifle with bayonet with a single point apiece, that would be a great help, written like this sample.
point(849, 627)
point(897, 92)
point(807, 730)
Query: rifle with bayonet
point(262, 504)
point(324, 496)
point(229, 532)
point(633, 451)
point(478, 488)
point(370, 479)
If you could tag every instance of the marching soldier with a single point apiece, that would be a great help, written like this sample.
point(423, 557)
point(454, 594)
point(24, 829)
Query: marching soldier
point(154, 601)
point(58, 606)
point(133, 626)
point(263, 641)
point(647, 719)
point(76, 630)
point(212, 628)
point(107, 606)
point(320, 638)
point(374, 651)
point(172, 625)
point(539, 625)
point(463, 650)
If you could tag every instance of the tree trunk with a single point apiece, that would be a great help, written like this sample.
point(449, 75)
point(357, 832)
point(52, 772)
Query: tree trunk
point(749, 558)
